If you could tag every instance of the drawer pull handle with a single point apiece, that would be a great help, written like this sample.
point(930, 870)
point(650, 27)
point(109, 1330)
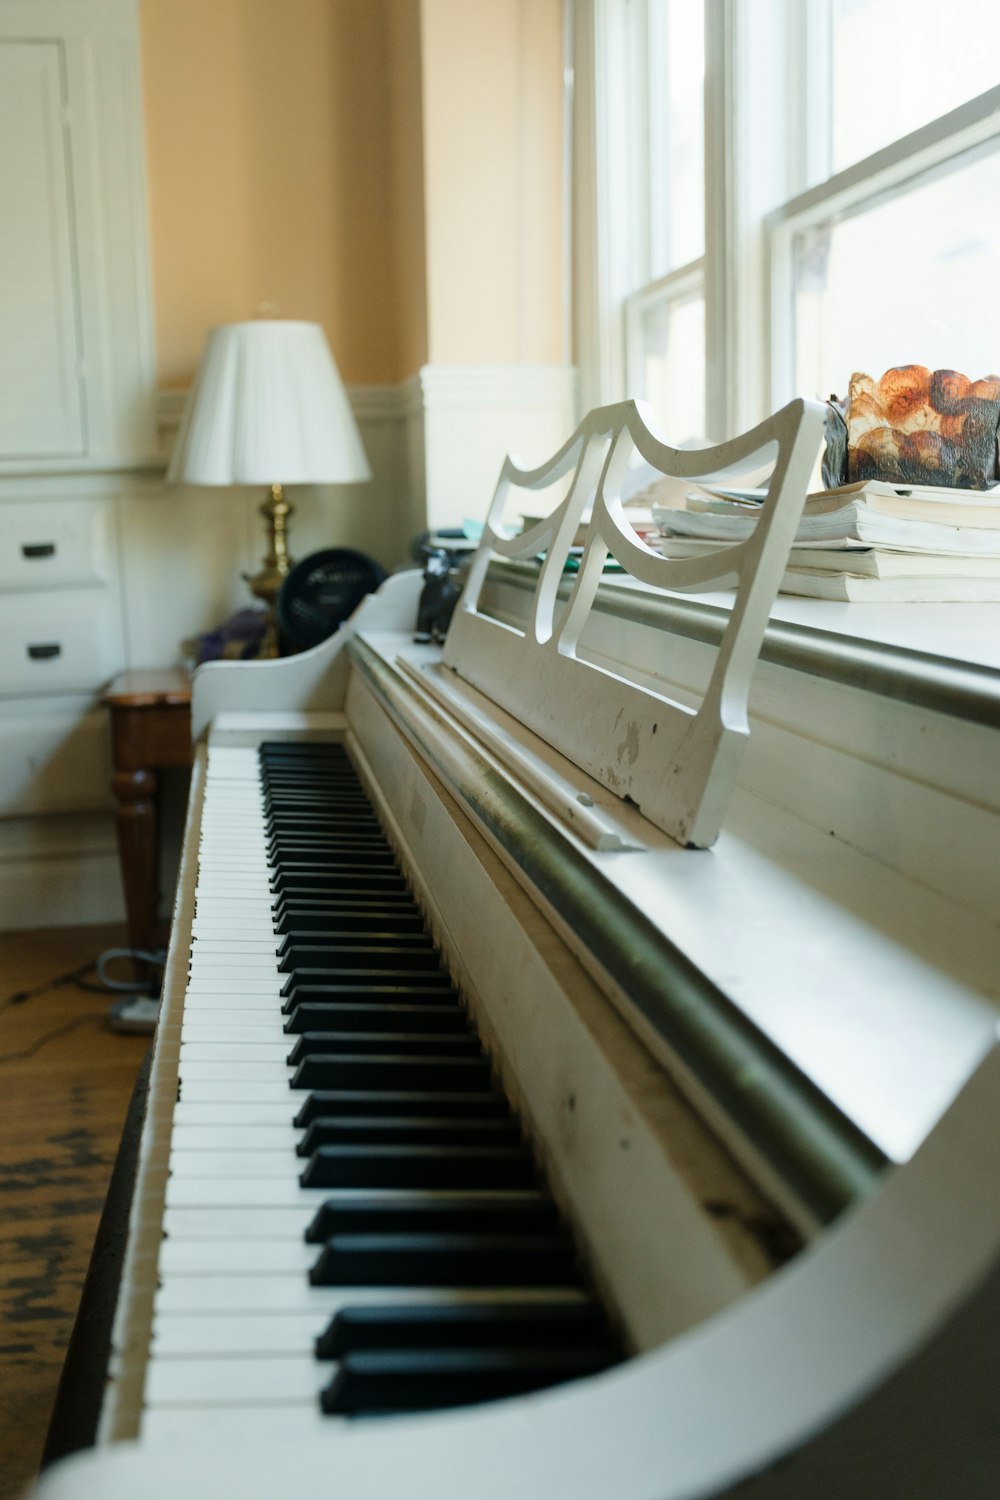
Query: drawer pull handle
point(38, 549)
point(44, 653)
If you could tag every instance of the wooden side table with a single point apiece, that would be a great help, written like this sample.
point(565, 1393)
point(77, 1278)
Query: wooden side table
point(150, 730)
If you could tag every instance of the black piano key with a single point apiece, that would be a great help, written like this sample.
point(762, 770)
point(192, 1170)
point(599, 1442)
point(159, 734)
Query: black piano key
point(392, 906)
point(333, 833)
point(305, 850)
point(404, 978)
point(413, 1017)
point(290, 827)
point(303, 953)
point(302, 817)
point(271, 750)
point(440, 1260)
point(377, 1071)
point(369, 919)
point(440, 1167)
point(363, 826)
point(335, 878)
point(318, 862)
point(406, 1130)
point(485, 1103)
point(312, 957)
point(288, 821)
point(382, 1381)
point(334, 943)
point(307, 798)
point(321, 1044)
point(368, 988)
point(530, 1212)
point(329, 788)
point(466, 1325)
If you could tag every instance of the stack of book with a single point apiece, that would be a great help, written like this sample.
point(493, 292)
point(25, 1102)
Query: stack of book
point(867, 541)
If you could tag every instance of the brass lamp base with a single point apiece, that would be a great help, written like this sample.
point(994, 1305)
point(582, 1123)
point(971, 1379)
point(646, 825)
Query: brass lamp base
point(266, 583)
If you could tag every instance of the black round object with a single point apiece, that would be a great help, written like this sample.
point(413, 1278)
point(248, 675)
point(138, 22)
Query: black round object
point(322, 591)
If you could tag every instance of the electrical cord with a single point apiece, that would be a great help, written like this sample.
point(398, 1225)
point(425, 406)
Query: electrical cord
point(46, 1037)
point(105, 986)
point(122, 986)
point(73, 976)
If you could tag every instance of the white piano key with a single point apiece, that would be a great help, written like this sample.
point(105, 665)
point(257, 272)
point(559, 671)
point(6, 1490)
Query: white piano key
point(233, 864)
point(221, 845)
point(236, 965)
point(203, 1070)
point(226, 1426)
point(217, 956)
point(229, 1137)
point(266, 1163)
point(241, 1091)
point(247, 1294)
point(241, 1028)
point(234, 1052)
point(227, 857)
point(253, 1112)
point(241, 875)
point(239, 1257)
point(228, 930)
point(260, 1295)
point(222, 986)
point(244, 943)
point(226, 908)
point(234, 1000)
point(227, 1382)
point(241, 1192)
point(228, 1223)
point(273, 1333)
point(183, 1335)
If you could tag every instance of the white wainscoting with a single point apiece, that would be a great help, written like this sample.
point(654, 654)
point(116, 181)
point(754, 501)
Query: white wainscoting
point(435, 443)
point(59, 872)
point(474, 416)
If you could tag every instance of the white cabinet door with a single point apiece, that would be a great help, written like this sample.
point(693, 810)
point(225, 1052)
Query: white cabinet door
point(41, 409)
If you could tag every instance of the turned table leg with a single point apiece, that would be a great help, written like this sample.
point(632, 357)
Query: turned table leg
point(135, 814)
point(150, 714)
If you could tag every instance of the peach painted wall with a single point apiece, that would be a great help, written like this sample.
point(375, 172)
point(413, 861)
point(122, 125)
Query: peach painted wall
point(407, 185)
point(492, 85)
point(389, 168)
point(269, 140)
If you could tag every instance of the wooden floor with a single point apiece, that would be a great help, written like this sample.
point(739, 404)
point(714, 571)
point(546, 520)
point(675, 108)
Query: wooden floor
point(62, 1104)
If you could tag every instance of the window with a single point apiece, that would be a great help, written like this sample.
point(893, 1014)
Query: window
point(780, 192)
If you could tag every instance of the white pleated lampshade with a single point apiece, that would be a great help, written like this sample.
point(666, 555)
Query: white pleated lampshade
point(267, 407)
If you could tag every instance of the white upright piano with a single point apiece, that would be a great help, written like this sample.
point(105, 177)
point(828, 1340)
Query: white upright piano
point(714, 879)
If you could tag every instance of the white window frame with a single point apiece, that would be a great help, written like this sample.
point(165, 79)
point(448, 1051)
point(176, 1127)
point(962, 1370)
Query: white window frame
point(766, 178)
point(904, 164)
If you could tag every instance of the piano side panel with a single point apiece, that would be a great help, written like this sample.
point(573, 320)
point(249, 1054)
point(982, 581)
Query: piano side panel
point(122, 1411)
point(312, 681)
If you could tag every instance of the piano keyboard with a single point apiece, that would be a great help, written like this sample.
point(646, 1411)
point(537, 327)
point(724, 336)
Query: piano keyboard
point(354, 1222)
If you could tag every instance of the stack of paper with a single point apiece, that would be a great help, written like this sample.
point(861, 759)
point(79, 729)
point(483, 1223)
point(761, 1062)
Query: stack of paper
point(873, 541)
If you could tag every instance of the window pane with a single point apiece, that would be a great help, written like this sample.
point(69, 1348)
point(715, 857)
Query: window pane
point(911, 281)
point(896, 66)
point(676, 133)
point(671, 366)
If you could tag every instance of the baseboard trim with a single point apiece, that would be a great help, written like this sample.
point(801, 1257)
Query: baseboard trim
point(59, 872)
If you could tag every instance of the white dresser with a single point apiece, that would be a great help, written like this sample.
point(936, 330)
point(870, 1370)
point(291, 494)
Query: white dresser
point(77, 431)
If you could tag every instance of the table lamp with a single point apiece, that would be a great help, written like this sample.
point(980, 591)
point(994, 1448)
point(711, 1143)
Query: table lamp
point(268, 407)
